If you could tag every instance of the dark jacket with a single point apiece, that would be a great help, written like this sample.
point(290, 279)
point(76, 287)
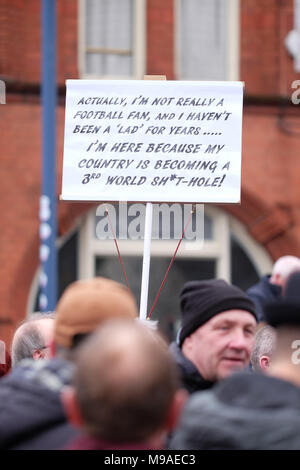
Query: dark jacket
point(31, 414)
point(245, 411)
point(190, 378)
point(263, 292)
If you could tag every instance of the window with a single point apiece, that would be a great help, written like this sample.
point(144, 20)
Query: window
point(67, 258)
point(227, 252)
point(111, 38)
point(207, 39)
point(167, 308)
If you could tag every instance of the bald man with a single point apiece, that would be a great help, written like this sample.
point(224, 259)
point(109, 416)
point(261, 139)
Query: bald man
point(126, 393)
point(33, 338)
point(32, 417)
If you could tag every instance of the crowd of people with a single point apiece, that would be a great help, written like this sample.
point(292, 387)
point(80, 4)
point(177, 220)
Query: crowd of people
point(92, 375)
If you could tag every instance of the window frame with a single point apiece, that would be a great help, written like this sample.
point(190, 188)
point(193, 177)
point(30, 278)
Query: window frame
point(218, 248)
point(138, 50)
point(233, 40)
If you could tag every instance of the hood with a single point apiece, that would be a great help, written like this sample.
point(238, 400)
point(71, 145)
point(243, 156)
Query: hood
point(30, 399)
point(245, 411)
point(191, 379)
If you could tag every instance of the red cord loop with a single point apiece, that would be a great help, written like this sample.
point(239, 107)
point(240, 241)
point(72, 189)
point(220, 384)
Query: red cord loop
point(116, 243)
point(171, 262)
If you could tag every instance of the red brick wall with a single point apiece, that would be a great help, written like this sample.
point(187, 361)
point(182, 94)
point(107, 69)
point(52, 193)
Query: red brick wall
point(67, 42)
point(13, 43)
point(19, 190)
point(20, 40)
point(271, 146)
point(266, 65)
point(160, 38)
point(20, 156)
point(270, 170)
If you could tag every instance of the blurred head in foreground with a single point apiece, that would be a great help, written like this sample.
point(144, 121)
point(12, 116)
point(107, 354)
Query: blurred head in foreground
point(85, 305)
point(125, 386)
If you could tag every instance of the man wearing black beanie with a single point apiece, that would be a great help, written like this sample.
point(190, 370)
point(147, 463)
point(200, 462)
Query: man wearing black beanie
point(217, 333)
point(253, 411)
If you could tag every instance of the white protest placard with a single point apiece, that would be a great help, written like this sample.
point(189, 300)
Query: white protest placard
point(156, 141)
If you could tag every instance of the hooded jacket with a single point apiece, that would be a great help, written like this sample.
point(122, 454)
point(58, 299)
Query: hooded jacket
point(245, 411)
point(31, 413)
point(190, 378)
point(262, 293)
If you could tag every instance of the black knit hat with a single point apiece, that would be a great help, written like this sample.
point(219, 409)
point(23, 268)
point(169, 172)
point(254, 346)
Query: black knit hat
point(286, 311)
point(282, 312)
point(202, 300)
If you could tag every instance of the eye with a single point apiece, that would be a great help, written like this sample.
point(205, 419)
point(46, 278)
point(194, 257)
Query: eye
point(223, 327)
point(249, 331)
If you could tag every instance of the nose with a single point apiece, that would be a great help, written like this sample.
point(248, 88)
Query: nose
point(239, 341)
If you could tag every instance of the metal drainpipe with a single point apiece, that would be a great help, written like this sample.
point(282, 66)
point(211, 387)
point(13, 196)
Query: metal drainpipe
point(48, 224)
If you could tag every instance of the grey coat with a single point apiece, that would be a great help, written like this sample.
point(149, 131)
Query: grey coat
point(245, 411)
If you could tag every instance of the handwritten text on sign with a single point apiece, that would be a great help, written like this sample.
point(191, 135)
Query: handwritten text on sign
point(153, 141)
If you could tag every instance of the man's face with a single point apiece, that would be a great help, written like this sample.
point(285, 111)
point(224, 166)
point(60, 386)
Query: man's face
point(222, 345)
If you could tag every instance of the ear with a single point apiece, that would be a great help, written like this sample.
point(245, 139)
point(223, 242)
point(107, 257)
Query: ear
point(264, 363)
point(187, 345)
point(71, 407)
point(176, 408)
point(277, 279)
point(37, 354)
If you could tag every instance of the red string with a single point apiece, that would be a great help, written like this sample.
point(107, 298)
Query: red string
point(116, 243)
point(171, 262)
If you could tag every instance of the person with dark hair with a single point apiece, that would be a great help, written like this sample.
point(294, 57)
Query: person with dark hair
point(32, 416)
point(216, 335)
point(33, 338)
point(253, 411)
point(291, 289)
point(126, 390)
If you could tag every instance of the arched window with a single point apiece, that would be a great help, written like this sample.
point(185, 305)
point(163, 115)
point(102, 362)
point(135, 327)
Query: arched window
point(227, 251)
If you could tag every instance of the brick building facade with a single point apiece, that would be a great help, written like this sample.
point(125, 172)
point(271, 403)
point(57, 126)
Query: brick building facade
point(269, 211)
